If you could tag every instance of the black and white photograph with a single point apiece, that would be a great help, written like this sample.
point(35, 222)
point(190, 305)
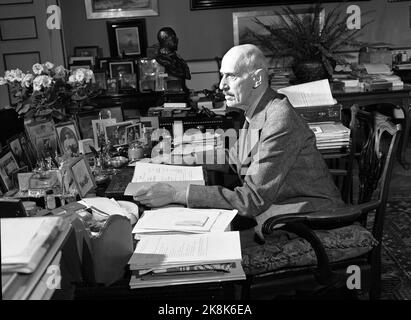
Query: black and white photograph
point(43, 136)
point(133, 133)
point(232, 150)
point(68, 136)
point(99, 132)
point(82, 176)
point(116, 133)
point(8, 165)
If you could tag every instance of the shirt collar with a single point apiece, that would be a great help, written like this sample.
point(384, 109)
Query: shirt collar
point(250, 111)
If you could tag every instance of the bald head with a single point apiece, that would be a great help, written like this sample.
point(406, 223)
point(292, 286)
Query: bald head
point(247, 57)
point(244, 74)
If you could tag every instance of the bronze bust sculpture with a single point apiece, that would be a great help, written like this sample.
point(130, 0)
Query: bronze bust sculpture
point(167, 56)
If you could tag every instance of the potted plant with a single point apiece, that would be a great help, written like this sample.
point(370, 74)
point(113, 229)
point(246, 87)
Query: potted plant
point(311, 41)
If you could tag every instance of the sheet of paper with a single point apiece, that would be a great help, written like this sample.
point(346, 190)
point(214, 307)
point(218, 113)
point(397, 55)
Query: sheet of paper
point(106, 205)
point(316, 93)
point(167, 250)
point(150, 172)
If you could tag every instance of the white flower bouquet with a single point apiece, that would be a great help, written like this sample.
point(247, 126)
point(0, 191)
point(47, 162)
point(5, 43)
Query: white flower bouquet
point(48, 89)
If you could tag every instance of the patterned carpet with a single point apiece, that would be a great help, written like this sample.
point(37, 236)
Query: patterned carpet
point(396, 253)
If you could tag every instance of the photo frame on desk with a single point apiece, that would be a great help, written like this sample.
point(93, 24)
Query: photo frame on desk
point(116, 133)
point(99, 132)
point(87, 51)
point(127, 38)
point(8, 165)
point(82, 61)
point(68, 137)
point(84, 123)
point(18, 152)
point(28, 149)
point(43, 136)
point(120, 67)
point(82, 176)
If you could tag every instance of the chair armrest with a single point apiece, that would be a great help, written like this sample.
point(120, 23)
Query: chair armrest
point(322, 219)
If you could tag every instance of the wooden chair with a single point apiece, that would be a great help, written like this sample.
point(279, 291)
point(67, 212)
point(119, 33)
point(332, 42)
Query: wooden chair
point(327, 269)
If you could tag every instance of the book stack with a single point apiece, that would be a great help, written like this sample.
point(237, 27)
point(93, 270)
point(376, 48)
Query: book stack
point(331, 136)
point(279, 79)
point(175, 259)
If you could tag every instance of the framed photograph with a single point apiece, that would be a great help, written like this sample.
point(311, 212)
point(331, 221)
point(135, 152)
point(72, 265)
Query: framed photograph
point(133, 133)
point(68, 136)
point(82, 176)
point(84, 146)
point(116, 133)
point(245, 26)
point(88, 51)
point(149, 122)
point(99, 133)
point(113, 112)
point(8, 165)
point(43, 136)
point(82, 61)
point(101, 80)
point(18, 152)
point(84, 123)
point(74, 67)
point(28, 150)
point(127, 38)
point(112, 86)
point(103, 9)
point(120, 67)
point(15, 177)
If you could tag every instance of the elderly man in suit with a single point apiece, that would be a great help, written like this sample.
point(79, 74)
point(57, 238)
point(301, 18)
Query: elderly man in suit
point(282, 171)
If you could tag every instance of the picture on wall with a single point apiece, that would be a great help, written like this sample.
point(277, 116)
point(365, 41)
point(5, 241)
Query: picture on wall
point(103, 9)
point(68, 136)
point(246, 26)
point(88, 51)
point(127, 38)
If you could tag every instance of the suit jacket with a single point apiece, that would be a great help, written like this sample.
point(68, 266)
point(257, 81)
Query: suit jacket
point(281, 170)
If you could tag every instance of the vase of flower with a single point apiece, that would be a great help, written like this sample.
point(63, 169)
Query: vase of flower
point(47, 90)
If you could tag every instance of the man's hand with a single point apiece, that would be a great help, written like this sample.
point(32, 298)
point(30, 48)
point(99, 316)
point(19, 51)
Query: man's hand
point(159, 195)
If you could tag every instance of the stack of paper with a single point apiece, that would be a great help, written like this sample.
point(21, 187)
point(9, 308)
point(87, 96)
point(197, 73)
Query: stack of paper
point(331, 135)
point(173, 220)
point(146, 174)
point(25, 241)
point(310, 94)
point(166, 260)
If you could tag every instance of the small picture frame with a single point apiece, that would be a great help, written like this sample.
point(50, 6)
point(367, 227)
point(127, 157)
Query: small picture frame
point(84, 146)
point(103, 63)
point(43, 136)
point(82, 61)
point(68, 137)
point(18, 152)
point(87, 51)
point(84, 123)
point(127, 38)
point(101, 80)
point(82, 176)
point(112, 86)
point(119, 68)
point(8, 165)
point(149, 122)
point(133, 133)
point(75, 67)
point(99, 132)
point(116, 133)
point(28, 150)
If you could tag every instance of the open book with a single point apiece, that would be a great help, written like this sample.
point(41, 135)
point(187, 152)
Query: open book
point(146, 174)
point(311, 94)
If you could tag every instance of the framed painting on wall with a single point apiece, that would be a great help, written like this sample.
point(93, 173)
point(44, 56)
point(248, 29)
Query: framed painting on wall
point(127, 38)
point(245, 26)
point(217, 4)
point(107, 9)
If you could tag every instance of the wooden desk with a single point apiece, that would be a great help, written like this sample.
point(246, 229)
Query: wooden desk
point(399, 97)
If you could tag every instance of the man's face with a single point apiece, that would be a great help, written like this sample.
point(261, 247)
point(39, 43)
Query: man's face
point(237, 85)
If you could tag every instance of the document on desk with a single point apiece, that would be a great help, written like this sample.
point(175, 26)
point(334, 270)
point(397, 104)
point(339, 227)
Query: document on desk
point(149, 173)
point(182, 250)
point(316, 93)
point(181, 219)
